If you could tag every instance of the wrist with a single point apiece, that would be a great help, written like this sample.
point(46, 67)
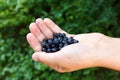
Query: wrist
point(108, 54)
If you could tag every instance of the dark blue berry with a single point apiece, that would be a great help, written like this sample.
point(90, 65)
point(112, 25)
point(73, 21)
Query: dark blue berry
point(60, 35)
point(70, 40)
point(64, 34)
point(47, 46)
point(44, 49)
point(65, 44)
point(44, 40)
point(53, 45)
point(55, 41)
point(60, 39)
point(50, 41)
point(48, 50)
point(65, 38)
point(61, 45)
point(60, 48)
point(56, 35)
point(43, 44)
point(75, 41)
point(54, 49)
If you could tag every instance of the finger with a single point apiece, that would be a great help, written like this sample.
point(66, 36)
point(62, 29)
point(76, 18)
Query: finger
point(52, 26)
point(33, 41)
point(43, 27)
point(53, 60)
point(35, 30)
point(46, 58)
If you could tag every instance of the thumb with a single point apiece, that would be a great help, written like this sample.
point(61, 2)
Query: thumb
point(46, 58)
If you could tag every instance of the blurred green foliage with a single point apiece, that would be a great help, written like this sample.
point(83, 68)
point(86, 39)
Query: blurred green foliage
point(73, 16)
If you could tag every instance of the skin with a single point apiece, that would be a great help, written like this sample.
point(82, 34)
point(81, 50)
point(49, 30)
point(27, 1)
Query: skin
point(93, 49)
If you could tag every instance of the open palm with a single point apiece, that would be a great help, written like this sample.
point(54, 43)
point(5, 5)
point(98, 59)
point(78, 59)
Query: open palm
point(73, 57)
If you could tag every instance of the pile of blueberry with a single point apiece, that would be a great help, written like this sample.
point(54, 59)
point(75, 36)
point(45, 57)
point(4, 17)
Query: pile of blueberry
point(58, 41)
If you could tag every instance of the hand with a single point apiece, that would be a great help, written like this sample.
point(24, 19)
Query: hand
point(77, 56)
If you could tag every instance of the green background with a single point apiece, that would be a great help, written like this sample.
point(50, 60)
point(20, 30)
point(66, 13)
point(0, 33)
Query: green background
point(73, 16)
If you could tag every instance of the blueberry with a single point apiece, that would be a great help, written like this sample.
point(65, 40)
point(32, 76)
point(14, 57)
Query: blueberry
point(48, 50)
point(60, 39)
point(44, 49)
point(65, 44)
point(61, 45)
point(70, 40)
point(43, 43)
point(52, 45)
point(64, 34)
point(54, 49)
point(75, 41)
point(56, 35)
point(60, 48)
point(47, 46)
point(65, 38)
point(50, 41)
point(55, 41)
point(60, 35)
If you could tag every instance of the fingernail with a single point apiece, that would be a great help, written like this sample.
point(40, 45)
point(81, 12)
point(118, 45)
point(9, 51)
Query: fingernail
point(35, 57)
point(38, 20)
point(45, 19)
